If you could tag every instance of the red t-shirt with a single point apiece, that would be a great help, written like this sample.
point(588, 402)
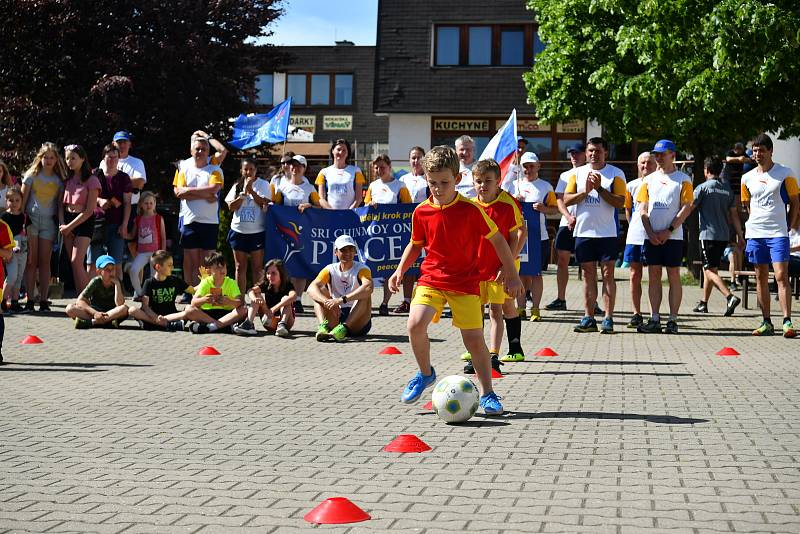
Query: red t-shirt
point(451, 235)
point(6, 241)
point(504, 211)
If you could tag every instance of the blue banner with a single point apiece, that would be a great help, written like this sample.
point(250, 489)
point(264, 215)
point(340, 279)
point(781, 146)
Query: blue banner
point(253, 130)
point(304, 241)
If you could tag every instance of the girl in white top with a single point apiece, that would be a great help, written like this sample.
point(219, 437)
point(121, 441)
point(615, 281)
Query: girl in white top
point(341, 185)
point(385, 190)
point(248, 200)
point(540, 193)
point(415, 180)
point(417, 186)
point(294, 190)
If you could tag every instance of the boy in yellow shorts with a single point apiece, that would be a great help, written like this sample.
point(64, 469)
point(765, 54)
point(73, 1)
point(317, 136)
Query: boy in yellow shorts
point(450, 228)
point(504, 211)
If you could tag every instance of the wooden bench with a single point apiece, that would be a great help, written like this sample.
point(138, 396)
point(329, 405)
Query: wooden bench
point(794, 284)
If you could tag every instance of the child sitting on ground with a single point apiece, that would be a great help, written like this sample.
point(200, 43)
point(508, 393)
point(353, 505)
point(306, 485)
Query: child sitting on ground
point(102, 302)
point(272, 300)
point(159, 294)
point(217, 302)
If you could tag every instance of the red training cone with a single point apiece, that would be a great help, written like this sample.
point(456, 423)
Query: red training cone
point(428, 406)
point(727, 351)
point(406, 443)
point(336, 510)
point(208, 351)
point(547, 351)
point(391, 350)
point(496, 374)
point(31, 340)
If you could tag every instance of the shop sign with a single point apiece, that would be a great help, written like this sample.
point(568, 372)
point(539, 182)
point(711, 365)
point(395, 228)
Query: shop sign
point(571, 127)
point(303, 122)
point(337, 122)
point(528, 125)
point(461, 125)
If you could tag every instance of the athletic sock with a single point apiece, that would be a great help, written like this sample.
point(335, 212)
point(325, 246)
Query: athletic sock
point(785, 320)
point(768, 320)
point(514, 332)
point(407, 300)
point(656, 317)
point(212, 327)
point(673, 317)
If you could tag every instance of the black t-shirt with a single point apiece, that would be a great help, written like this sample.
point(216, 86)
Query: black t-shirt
point(161, 294)
point(274, 297)
point(15, 222)
point(733, 171)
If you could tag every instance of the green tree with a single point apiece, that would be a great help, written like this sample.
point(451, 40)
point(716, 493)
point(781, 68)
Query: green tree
point(701, 72)
point(79, 70)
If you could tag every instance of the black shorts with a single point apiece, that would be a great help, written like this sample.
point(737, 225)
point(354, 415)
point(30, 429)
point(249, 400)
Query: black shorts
point(344, 313)
point(545, 254)
point(246, 242)
point(599, 249)
point(199, 235)
point(668, 254)
point(85, 229)
point(564, 239)
point(712, 252)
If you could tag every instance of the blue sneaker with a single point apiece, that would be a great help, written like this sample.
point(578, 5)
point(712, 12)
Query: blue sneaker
point(417, 385)
point(608, 326)
point(587, 324)
point(491, 404)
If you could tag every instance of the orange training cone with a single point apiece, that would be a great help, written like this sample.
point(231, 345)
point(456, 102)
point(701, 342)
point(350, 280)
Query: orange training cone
point(391, 350)
point(208, 351)
point(406, 443)
point(496, 373)
point(727, 351)
point(428, 406)
point(31, 340)
point(336, 510)
point(547, 351)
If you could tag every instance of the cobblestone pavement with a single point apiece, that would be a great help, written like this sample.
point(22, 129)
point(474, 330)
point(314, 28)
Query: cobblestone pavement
point(125, 431)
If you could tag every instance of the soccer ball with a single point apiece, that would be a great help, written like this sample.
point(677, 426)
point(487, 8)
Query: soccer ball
point(455, 399)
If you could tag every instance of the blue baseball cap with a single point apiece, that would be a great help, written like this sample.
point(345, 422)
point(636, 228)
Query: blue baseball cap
point(122, 135)
point(103, 261)
point(577, 147)
point(663, 145)
point(520, 138)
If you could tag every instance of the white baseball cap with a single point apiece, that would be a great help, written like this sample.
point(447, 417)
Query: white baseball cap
point(528, 157)
point(344, 241)
point(300, 159)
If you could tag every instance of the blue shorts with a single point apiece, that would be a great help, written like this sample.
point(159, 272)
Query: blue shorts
point(766, 250)
point(199, 235)
point(670, 254)
point(344, 313)
point(590, 249)
point(246, 242)
point(564, 239)
point(632, 254)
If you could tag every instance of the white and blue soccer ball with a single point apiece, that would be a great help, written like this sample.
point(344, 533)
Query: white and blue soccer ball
point(455, 399)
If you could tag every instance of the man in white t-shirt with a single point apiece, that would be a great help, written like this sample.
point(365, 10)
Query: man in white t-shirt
point(767, 192)
point(515, 168)
point(597, 190)
point(465, 148)
point(645, 165)
point(665, 200)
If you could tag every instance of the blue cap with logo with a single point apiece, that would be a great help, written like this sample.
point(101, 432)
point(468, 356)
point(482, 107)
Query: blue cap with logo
point(104, 261)
point(122, 135)
point(663, 145)
point(577, 147)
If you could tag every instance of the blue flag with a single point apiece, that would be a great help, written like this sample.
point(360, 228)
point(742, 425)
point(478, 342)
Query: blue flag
point(253, 130)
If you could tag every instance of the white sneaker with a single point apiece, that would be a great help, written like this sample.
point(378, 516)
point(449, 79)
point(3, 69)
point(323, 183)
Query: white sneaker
point(282, 331)
point(245, 328)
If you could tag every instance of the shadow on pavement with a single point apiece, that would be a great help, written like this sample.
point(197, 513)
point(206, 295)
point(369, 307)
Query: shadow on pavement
point(598, 362)
point(660, 419)
point(611, 373)
point(6, 367)
point(81, 365)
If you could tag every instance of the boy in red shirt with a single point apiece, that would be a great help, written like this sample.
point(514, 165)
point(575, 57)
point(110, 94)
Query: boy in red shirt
point(505, 212)
point(7, 245)
point(450, 228)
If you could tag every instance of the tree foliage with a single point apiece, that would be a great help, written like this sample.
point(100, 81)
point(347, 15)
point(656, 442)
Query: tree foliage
point(79, 70)
point(702, 72)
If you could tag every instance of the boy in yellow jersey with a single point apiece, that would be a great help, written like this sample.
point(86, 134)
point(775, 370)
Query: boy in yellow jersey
point(450, 228)
point(504, 211)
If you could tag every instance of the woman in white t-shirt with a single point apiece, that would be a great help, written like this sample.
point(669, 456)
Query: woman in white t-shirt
point(294, 190)
point(340, 186)
point(248, 200)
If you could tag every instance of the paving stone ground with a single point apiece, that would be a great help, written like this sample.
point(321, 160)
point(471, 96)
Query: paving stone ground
point(125, 431)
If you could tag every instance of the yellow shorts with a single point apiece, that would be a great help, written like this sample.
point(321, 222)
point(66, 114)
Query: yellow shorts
point(467, 309)
point(493, 293)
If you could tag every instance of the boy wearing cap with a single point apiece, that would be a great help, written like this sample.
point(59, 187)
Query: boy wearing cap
point(665, 200)
point(102, 302)
point(342, 294)
point(540, 193)
point(767, 192)
point(450, 228)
